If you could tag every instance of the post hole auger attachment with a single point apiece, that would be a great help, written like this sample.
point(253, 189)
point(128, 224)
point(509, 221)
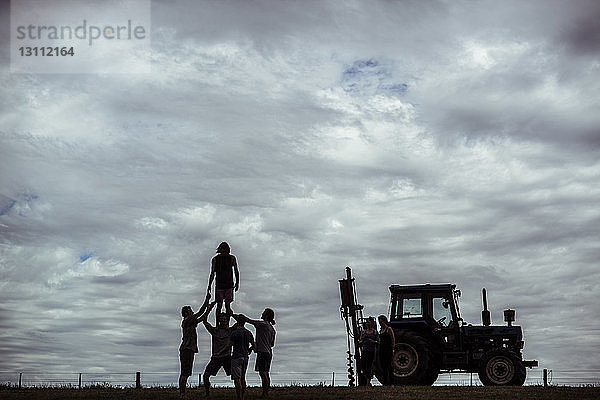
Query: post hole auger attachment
point(351, 312)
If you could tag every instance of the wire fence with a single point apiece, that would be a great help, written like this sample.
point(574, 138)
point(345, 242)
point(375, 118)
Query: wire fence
point(535, 377)
point(155, 379)
point(293, 378)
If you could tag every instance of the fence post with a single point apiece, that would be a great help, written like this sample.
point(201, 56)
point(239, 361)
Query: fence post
point(138, 381)
point(545, 377)
point(333, 378)
point(80, 380)
point(20, 376)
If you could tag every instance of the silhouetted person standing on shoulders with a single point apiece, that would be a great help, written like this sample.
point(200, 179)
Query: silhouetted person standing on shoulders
point(242, 342)
point(386, 350)
point(265, 340)
point(220, 338)
point(189, 341)
point(223, 267)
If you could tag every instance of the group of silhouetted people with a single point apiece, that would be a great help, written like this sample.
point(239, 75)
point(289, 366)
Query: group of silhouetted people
point(231, 345)
point(376, 343)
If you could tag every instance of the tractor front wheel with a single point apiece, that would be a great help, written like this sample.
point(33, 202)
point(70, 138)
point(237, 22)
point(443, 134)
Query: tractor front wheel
point(499, 368)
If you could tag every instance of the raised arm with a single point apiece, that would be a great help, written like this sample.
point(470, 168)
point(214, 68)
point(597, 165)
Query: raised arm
point(236, 272)
point(204, 316)
point(242, 317)
point(212, 273)
point(208, 326)
point(203, 307)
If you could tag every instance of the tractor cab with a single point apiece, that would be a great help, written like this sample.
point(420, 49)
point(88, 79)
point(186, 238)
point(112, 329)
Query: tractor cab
point(432, 305)
point(431, 311)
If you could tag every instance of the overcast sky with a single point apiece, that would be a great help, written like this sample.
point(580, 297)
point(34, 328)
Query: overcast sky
point(437, 141)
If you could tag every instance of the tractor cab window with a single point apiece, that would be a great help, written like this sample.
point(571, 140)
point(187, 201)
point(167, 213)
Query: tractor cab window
point(441, 311)
point(411, 308)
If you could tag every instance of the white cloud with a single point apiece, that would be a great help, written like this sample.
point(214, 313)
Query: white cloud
point(91, 267)
point(153, 222)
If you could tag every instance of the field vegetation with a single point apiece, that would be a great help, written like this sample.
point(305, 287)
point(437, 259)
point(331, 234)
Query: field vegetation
point(313, 392)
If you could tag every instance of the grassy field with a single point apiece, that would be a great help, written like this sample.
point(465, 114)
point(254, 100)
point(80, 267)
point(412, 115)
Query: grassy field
point(325, 393)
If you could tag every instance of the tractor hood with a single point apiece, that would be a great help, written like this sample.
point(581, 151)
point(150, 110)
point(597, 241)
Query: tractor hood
point(512, 332)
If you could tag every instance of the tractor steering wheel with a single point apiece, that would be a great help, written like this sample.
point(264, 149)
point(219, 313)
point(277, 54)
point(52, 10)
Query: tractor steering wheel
point(441, 320)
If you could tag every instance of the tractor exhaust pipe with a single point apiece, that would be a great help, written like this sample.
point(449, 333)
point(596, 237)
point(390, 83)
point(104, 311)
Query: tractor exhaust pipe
point(485, 314)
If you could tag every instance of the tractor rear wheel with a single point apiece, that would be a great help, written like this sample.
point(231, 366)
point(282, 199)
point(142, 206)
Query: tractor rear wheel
point(413, 363)
point(499, 368)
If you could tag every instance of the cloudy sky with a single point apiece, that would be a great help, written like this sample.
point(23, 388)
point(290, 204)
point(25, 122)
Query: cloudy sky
point(438, 141)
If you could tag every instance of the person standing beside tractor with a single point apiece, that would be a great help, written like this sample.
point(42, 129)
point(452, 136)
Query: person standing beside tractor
point(369, 339)
point(223, 268)
point(386, 350)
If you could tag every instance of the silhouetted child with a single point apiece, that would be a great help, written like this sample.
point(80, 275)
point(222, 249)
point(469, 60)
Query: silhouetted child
point(223, 267)
point(189, 341)
point(219, 338)
point(369, 340)
point(385, 351)
point(265, 340)
point(242, 342)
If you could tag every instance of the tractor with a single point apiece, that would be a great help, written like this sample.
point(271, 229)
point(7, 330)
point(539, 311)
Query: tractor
point(432, 338)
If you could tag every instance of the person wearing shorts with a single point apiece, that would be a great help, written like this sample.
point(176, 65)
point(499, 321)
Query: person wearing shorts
point(265, 340)
point(189, 340)
point(219, 338)
point(224, 267)
point(242, 342)
point(239, 367)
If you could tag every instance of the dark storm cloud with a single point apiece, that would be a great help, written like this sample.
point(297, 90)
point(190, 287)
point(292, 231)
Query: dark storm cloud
point(581, 35)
